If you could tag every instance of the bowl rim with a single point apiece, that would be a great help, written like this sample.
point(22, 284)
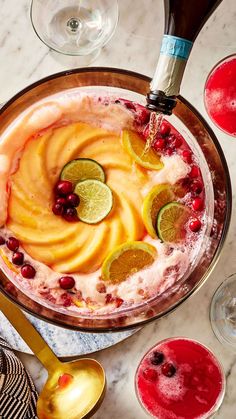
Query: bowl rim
point(217, 253)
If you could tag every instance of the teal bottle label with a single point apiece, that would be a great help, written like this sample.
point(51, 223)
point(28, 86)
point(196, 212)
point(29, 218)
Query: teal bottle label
point(176, 47)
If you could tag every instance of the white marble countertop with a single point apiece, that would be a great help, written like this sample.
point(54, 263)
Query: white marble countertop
point(135, 45)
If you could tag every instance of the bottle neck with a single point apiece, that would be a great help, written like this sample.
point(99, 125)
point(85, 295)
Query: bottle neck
point(165, 85)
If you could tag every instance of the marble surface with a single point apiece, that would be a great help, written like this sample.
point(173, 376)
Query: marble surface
point(135, 45)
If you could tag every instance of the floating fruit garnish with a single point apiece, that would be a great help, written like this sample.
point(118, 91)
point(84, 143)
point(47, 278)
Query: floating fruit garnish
point(72, 200)
point(66, 282)
point(195, 225)
point(171, 222)
point(168, 369)
point(13, 244)
point(159, 196)
point(18, 258)
point(187, 156)
point(96, 200)
point(127, 259)
point(64, 188)
point(135, 146)
point(28, 271)
point(157, 358)
point(194, 172)
point(197, 204)
point(70, 215)
point(82, 169)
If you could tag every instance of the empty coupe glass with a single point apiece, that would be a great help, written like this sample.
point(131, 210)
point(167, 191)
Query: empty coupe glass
point(74, 27)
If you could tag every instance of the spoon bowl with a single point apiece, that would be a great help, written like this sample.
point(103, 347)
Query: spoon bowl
point(73, 390)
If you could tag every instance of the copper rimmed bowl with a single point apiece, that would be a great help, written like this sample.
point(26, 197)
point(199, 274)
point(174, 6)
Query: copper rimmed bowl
point(215, 173)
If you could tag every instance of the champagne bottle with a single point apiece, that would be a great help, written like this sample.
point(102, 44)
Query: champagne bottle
point(183, 21)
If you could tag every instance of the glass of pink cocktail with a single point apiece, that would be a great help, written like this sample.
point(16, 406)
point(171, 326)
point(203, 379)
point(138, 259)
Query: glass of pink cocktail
point(220, 95)
point(180, 377)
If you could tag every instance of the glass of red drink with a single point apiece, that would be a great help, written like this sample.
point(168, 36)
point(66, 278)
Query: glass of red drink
point(220, 95)
point(180, 377)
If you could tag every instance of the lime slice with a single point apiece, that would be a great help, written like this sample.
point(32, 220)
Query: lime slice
point(95, 200)
point(171, 222)
point(135, 146)
point(81, 169)
point(126, 260)
point(157, 197)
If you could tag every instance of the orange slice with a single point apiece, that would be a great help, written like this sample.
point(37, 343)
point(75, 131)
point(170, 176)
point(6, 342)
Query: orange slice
point(135, 146)
point(126, 260)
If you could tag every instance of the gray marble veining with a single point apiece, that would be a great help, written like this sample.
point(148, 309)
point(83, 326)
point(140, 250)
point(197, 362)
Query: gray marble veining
point(135, 46)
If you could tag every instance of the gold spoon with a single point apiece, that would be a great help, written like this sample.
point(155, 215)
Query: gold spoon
point(73, 390)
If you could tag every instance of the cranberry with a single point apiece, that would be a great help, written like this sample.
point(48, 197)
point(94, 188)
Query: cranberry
point(195, 172)
point(150, 374)
point(18, 258)
point(13, 244)
point(187, 156)
point(197, 204)
point(168, 369)
point(61, 201)
point(70, 215)
point(58, 209)
point(175, 141)
point(142, 116)
point(169, 151)
point(195, 225)
point(27, 271)
point(64, 380)
point(118, 301)
point(197, 186)
point(101, 288)
point(2, 241)
point(64, 187)
point(67, 302)
point(66, 282)
point(159, 144)
point(73, 200)
point(157, 358)
point(109, 299)
point(165, 128)
point(129, 105)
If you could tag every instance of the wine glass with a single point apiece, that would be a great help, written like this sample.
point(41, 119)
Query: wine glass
point(223, 312)
point(220, 95)
point(74, 27)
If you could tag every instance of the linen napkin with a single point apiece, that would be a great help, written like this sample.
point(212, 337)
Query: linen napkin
point(18, 395)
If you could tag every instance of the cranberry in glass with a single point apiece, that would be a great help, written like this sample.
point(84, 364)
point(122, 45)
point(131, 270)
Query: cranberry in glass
point(159, 144)
point(66, 282)
point(73, 200)
point(18, 258)
point(2, 241)
point(27, 271)
point(168, 369)
point(13, 244)
point(165, 128)
point(197, 186)
point(187, 156)
point(61, 201)
point(194, 172)
point(64, 188)
point(58, 209)
point(195, 225)
point(197, 204)
point(70, 215)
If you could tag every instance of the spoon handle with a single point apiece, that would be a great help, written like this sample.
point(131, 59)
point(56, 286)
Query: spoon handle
point(28, 332)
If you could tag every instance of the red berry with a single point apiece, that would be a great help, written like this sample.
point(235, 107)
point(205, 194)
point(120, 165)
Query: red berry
point(187, 156)
point(64, 188)
point(118, 302)
point(64, 380)
point(109, 299)
point(175, 140)
point(150, 374)
point(61, 201)
point(157, 358)
point(13, 244)
point(159, 144)
point(142, 116)
point(18, 258)
point(165, 128)
point(129, 105)
point(197, 186)
point(73, 200)
point(67, 302)
point(70, 215)
point(197, 204)
point(58, 209)
point(168, 369)
point(169, 151)
point(2, 241)
point(66, 282)
point(195, 172)
point(195, 225)
point(27, 271)
point(101, 288)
